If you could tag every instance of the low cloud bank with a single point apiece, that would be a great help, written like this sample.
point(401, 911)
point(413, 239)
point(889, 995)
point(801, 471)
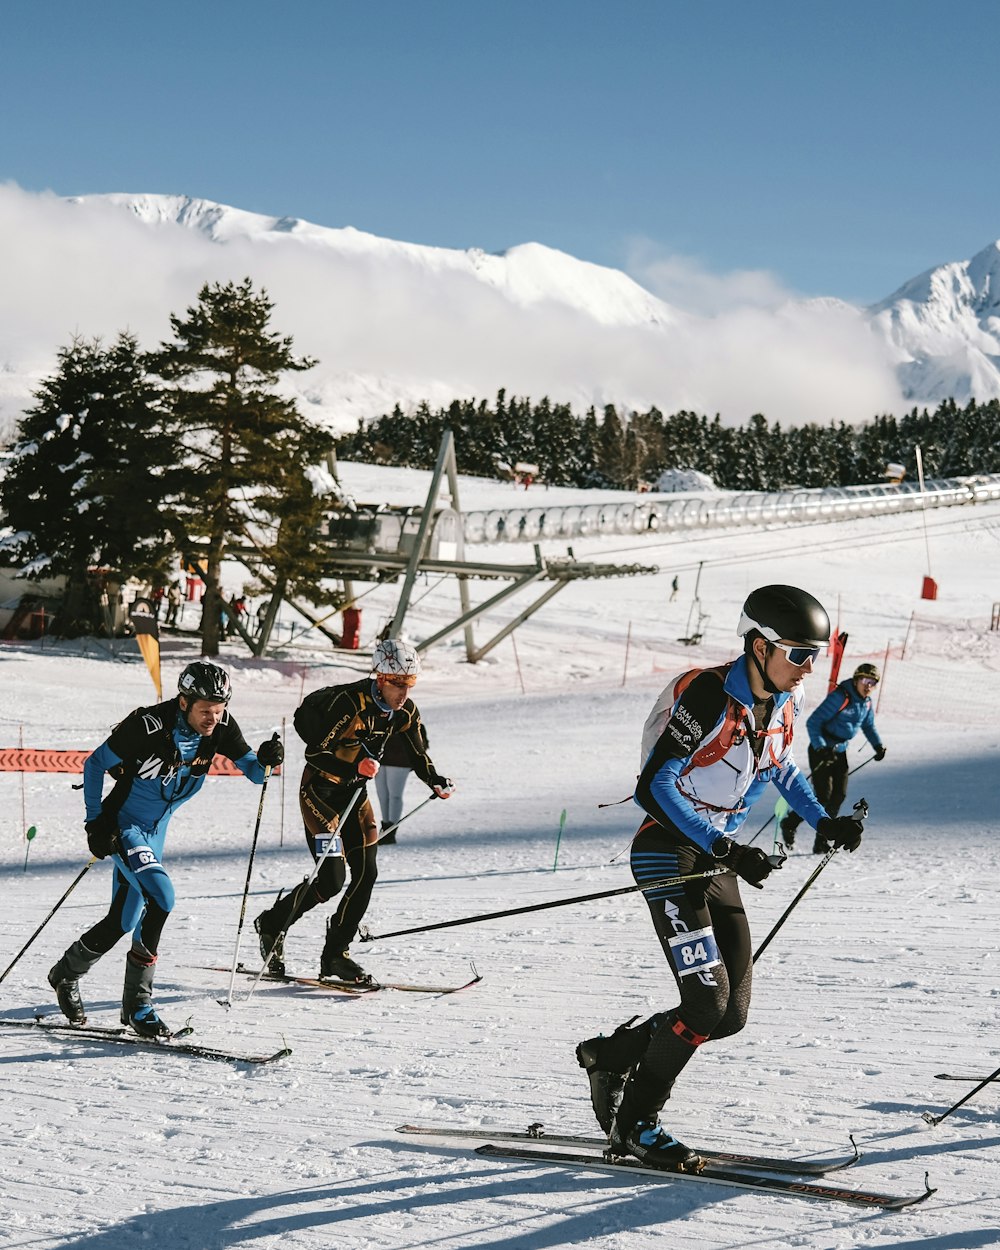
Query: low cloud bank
point(391, 323)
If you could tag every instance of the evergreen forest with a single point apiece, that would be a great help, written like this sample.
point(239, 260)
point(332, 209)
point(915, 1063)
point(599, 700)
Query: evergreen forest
point(627, 450)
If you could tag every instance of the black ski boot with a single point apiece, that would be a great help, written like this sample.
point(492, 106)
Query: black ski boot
point(637, 1130)
point(137, 998)
point(64, 977)
point(341, 967)
point(649, 1142)
point(387, 838)
point(336, 962)
point(607, 1061)
point(789, 824)
point(272, 944)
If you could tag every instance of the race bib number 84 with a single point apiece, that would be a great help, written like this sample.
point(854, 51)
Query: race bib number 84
point(695, 951)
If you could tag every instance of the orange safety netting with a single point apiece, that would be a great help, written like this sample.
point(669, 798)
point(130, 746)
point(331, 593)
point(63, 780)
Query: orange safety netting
point(28, 760)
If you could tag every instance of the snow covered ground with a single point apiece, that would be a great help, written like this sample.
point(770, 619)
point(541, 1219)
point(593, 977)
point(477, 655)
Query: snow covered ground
point(885, 975)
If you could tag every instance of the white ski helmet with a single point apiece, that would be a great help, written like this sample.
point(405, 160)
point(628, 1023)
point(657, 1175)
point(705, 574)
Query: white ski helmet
point(395, 657)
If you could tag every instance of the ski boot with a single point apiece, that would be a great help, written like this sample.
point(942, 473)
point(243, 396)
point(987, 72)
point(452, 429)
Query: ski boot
point(272, 943)
point(607, 1061)
point(64, 977)
point(387, 838)
point(650, 1143)
point(788, 826)
point(336, 964)
point(137, 1005)
point(341, 967)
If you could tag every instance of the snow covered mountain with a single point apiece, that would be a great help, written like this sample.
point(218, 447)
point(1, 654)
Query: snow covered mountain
point(527, 275)
point(943, 329)
point(393, 322)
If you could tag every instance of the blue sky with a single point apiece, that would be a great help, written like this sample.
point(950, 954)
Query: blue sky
point(830, 149)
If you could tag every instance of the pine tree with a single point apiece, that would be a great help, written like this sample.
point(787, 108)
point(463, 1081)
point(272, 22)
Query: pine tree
point(91, 464)
point(247, 449)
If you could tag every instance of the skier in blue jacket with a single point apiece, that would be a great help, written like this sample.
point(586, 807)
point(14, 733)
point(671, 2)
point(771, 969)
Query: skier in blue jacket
point(845, 711)
point(159, 757)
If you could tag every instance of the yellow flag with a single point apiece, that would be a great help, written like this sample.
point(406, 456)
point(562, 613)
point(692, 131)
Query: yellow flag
point(147, 635)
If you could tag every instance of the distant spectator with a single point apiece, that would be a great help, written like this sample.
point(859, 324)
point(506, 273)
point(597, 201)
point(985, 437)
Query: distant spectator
point(675, 586)
point(174, 601)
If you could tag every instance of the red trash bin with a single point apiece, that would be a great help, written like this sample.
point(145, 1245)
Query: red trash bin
point(351, 636)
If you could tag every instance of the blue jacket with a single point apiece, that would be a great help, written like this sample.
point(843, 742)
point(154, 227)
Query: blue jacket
point(159, 762)
point(701, 774)
point(839, 717)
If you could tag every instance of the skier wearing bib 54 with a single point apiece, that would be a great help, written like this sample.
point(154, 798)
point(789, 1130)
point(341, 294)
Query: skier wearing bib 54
point(159, 757)
point(712, 742)
point(346, 730)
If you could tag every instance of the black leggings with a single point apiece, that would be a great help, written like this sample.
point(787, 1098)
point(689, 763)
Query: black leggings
point(321, 803)
point(703, 931)
point(110, 929)
point(829, 781)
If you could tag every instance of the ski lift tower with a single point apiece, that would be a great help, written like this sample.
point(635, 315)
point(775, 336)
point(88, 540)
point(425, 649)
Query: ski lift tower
point(385, 544)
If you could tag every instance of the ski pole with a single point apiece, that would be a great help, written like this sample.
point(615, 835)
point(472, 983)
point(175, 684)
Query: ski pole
point(406, 816)
point(936, 1119)
point(76, 882)
point(301, 891)
point(227, 1002)
point(559, 902)
point(860, 811)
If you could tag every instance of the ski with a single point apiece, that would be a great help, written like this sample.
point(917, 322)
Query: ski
point(353, 987)
point(536, 1133)
point(123, 1037)
point(966, 1076)
point(711, 1175)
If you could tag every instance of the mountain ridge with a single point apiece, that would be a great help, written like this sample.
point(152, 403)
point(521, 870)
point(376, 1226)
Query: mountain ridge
point(393, 322)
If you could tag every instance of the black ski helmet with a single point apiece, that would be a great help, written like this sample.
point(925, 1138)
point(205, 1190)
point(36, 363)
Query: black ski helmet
point(785, 612)
point(204, 680)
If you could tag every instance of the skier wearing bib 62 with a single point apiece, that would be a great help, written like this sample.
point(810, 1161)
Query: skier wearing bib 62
point(159, 757)
point(712, 742)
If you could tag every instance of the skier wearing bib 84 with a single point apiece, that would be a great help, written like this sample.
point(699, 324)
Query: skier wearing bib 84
point(159, 757)
point(712, 742)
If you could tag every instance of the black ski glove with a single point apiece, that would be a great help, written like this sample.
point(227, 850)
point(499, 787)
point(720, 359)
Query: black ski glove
point(442, 786)
point(825, 756)
point(842, 831)
point(880, 753)
point(101, 833)
point(271, 752)
point(748, 862)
